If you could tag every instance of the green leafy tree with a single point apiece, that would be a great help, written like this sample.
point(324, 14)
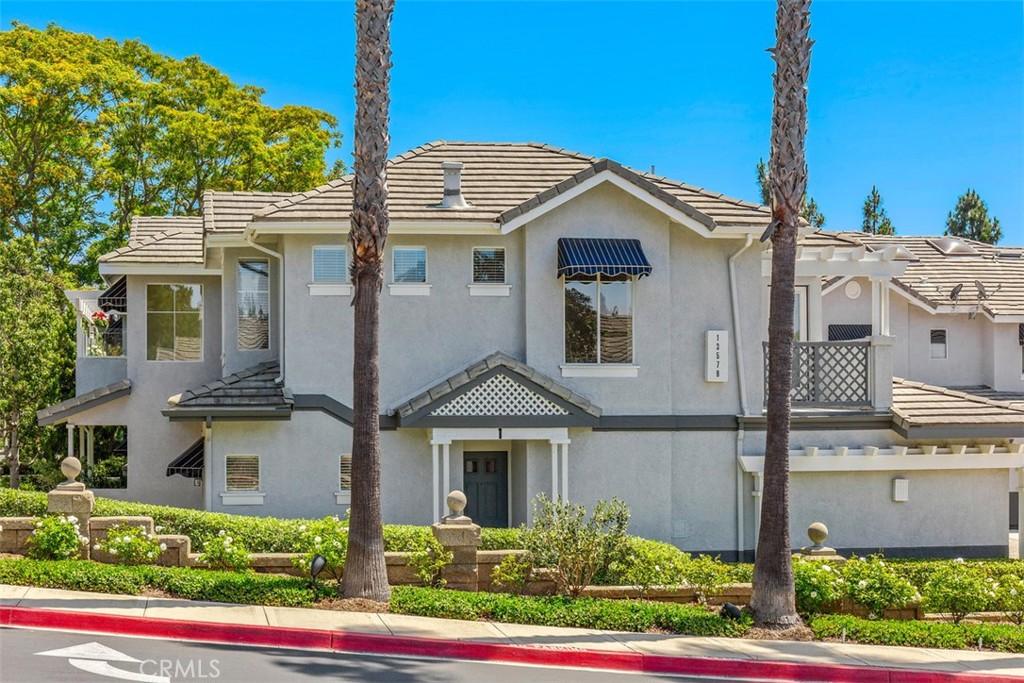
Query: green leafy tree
point(34, 332)
point(970, 219)
point(876, 220)
point(808, 207)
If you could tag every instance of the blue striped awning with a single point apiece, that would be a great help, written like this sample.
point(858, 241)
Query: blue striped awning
point(189, 463)
point(594, 256)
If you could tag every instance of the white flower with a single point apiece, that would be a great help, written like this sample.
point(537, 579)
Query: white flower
point(113, 551)
point(163, 546)
point(814, 594)
point(221, 532)
point(96, 547)
point(316, 540)
point(158, 529)
point(959, 560)
point(862, 584)
point(302, 527)
point(1, 527)
point(826, 568)
point(38, 524)
point(1013, 591)
point(72, 519)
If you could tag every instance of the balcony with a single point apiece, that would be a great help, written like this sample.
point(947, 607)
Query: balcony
point(853, 375)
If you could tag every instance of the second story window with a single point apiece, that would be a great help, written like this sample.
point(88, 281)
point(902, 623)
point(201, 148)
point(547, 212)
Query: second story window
point(599, 320)
point(174, 322)
point(330, 265)
point(938, 349)
point(409, 265)
point(1020, 339)
point(253, 305)
point(489, 265)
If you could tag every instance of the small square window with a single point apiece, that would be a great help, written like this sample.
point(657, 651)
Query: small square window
point(409, 265)
point(345, 474)
point(242, 472)
point(471, 467)
point(489, 265)
point(330, 265)
point(938, 349)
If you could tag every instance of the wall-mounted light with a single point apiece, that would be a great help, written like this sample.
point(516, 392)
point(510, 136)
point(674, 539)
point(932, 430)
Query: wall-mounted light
point(900, 490)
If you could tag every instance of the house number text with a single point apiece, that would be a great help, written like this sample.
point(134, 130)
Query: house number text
point(717, 355)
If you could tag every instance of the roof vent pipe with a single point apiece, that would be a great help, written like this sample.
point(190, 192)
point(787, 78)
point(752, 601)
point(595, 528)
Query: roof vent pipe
point(453, 198)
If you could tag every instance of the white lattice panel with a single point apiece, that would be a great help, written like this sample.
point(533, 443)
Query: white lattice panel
point(500, 396)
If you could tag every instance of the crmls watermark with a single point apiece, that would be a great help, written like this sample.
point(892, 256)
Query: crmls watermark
point(181, 668)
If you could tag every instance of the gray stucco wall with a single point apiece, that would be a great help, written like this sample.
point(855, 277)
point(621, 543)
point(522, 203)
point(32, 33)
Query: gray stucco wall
point(93, 372)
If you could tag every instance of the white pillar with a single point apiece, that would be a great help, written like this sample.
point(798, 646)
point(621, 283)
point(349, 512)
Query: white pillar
point(446, 481)
point(81, 442)
point(1020, 505)
point(877, 295)
point(207, 467)
point(90, 447)
point(756, 494)
point(435, 496)
point(554, 470)
point(885, 306)
point(71, 440)
point(565, 471)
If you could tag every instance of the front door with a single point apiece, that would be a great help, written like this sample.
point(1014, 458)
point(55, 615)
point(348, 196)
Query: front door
point(485, 480)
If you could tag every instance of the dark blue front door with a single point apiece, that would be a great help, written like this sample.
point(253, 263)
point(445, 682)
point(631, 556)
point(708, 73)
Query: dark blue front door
point(485, 480)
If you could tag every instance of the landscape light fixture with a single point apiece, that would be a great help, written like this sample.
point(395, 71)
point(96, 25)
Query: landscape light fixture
point(315, 567)
point(731, 611)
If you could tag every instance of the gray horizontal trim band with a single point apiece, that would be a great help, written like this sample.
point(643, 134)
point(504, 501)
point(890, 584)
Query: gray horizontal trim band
point(213, 413)
point(908, 552)
point(336, 409)
point(839, 421)
point(63, 415)
point(667, 423)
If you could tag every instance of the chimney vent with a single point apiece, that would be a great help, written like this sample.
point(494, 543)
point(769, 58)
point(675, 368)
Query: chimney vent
point(453, 198)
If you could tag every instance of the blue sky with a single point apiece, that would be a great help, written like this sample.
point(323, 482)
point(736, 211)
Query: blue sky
point(923, 99)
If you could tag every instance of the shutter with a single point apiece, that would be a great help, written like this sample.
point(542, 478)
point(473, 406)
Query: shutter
point(345, 475)
point(243, 472)
point(330, 265)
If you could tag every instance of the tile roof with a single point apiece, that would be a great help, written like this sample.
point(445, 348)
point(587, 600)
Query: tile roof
point(150, 226)
point(500, 181)
point(225, 212)
point(253, 387)
point(932, 276)
point(180, 244)
point(60, 412)
point(924, 405)
point(823, 238)
point(495, 360)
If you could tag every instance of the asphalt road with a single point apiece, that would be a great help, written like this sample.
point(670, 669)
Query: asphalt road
point(161, 661)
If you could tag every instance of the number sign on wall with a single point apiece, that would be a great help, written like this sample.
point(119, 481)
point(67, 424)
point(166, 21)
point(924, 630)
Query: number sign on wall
point(717, 356)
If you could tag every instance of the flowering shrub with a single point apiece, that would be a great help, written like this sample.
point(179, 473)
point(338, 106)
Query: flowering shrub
point(129, 544)
point(56, 537)
point(707, 575)
point(818, 584)
point(225, 553)
point(511, 574)
point(646, 564)
point(100, 320)
point(959, 590)
point(429, 562)
point(875, 586)
point(1010, 597)
point(327, 537)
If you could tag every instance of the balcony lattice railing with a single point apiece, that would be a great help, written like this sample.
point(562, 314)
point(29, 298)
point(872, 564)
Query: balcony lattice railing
point(828, 374)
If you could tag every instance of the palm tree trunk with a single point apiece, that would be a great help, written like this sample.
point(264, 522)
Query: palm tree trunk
point(773, 600)
point(365, 573)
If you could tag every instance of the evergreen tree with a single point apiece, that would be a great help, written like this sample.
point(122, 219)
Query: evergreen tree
point(876, 221)
point(970, 219)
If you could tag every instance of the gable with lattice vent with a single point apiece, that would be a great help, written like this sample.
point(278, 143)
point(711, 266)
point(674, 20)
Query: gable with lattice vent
point(500, 395)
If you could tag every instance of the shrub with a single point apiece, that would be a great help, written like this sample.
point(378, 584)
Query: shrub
point(574, 547)
point(707, 575)
point(874, 585)
point(1010, 597)
point(512, 573)
point(56, 537)
point(1001, 637)
point(817, 584)
point(493, 538)
point(226, 554)
point(327, 537)
point(129, 544)
point(959, 590)
point(646, 564)
point(428, 562)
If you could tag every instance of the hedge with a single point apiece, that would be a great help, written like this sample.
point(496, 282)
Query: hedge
point(1001, 637)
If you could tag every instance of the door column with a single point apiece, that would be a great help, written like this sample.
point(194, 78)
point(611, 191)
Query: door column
point(560, 472)
point(71, 440)
point(440, 465)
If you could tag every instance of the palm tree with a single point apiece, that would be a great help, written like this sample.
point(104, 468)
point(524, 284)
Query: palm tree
point(365, 573)
point(773, 601)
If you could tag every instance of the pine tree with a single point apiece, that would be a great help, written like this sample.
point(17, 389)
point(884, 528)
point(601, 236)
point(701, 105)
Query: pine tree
point(970, 219)
point(876, 221)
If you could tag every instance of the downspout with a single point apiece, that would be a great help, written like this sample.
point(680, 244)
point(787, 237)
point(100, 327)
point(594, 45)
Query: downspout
point(741, 383)
point(280, 301)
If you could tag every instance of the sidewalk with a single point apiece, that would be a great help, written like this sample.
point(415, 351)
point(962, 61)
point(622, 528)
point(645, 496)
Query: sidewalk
point(606, 644)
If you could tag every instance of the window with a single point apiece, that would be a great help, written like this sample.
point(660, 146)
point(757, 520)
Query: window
point(599, 320)
point(938, 344)
point(489, 265)
point(409, 265)
point(330, 265)
point(345, 472)
point(1020, 339)
point(242, 473)
point(800, 313)
point(253, 305)
point(174, 322)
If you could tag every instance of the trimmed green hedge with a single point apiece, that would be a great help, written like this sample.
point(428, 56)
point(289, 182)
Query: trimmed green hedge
point(1001, 637)
point(615, 615)
point(193, 584)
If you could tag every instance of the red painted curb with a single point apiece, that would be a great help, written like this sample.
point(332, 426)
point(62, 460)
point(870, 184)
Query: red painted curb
point(376, 644)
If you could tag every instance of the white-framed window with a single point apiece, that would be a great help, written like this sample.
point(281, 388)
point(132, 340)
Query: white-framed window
point(938, 344)
point(800, 313)
point(599, 321)
point(488, 265)
point(253, 304)
point(330, 265)
point(344, 493)
point(409, 272)
point(242, 480)
point(174, 322)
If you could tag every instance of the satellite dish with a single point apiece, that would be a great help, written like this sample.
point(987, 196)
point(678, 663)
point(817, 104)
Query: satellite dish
point(982, 292)
point(955, 294)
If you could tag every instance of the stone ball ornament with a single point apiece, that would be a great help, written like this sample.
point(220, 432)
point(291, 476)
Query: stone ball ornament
point(817, 532)
point(456, 502)
point(71, 467)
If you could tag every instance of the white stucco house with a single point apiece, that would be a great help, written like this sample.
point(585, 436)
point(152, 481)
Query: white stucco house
point(556, 323)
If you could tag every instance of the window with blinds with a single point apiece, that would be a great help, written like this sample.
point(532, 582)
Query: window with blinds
point(253, 305)
point(409, 264)
point(938, 349)
point(330, 265)
point(489, 265)
point(242, 472)
point(345, 474)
